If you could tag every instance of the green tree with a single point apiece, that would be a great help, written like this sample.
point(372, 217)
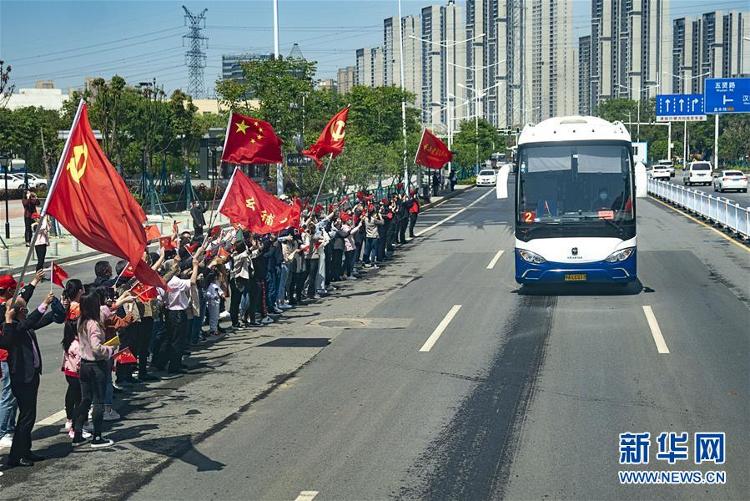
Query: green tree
point(471, 134)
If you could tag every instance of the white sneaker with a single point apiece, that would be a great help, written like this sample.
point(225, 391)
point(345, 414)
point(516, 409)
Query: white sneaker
point(86, 435)
point(266, 320)
point(6, 441)
point(111, 415)
point(101, 442)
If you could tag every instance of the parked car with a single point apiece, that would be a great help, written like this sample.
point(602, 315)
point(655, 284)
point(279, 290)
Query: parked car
point(730, 180)
point(36, 181)
point(659, 172)
point(697, 173)
point(15, 182)
point(487, 177)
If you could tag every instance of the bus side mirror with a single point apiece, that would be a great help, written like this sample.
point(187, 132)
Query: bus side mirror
point(501, 183)
point(641, 181)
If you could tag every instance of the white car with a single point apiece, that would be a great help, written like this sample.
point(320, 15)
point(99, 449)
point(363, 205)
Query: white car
point(486, 177)
point(669, 165)
point(697, 173)
point(36, 181)
point(15, 182)
point(730, 180)
point(660, 172)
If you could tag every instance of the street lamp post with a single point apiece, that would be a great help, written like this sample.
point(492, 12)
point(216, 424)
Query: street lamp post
point(7, 221)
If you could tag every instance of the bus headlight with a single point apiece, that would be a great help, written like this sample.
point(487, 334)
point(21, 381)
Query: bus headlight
point(530, 257)
point(620, 255)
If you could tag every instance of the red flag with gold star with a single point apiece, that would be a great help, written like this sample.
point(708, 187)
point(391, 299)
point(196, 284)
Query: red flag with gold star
point(247, 203)
point(90, 199)
point(331, 140)
point(432, 152)
point(250, 141)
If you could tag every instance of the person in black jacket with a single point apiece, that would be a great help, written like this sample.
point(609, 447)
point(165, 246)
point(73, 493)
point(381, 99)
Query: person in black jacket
point(25, 363)
point(403, 218)
point(196, 212)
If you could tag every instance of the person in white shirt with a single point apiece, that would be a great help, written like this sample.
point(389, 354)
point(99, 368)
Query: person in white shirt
point(176, 303)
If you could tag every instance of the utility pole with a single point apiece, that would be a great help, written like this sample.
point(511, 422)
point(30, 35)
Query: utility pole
point(407, 181)
point(277, 56)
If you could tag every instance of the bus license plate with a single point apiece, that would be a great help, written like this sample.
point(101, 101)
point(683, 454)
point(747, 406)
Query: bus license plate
point(575, 277)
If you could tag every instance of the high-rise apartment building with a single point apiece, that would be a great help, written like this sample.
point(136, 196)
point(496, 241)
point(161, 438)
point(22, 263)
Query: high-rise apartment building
point(631, 49)
point(369, 67)
point(409, 30)
point(443, 65)
point(231, 64)
point(345, 79)
point(584, 75)
point(521, 59)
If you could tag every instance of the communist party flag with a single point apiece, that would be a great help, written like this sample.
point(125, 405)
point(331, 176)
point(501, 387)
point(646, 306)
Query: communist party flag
point(250, 141)
point(90, 199)
point(432, 152)
point(331, 140)
point(248, 204)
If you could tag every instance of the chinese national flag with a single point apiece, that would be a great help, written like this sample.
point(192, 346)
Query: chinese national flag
point(432, 152)
point(58, 275)
point(247, 203)
point(125, 357)
point(250, 141)
point(144, 292)
point(90, 199)
point(152, 232)
point(331, 140)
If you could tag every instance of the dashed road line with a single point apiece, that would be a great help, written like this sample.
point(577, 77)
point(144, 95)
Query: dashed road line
point(54, 418)
point(427, 346)
point(306, 496)
point(446, 219)
point(495, 259)
point(661, 345)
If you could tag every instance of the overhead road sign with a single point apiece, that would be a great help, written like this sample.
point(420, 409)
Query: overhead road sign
point(727, 95)
point(679, 107)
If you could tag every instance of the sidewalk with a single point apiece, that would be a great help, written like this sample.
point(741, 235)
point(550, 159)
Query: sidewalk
point(65, 249)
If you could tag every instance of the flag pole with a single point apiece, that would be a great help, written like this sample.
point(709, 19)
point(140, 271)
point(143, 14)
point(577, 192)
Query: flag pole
point(330, 159)
point(53, 185)
point(221, 204)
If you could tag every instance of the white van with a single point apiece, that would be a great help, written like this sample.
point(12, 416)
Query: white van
point(697, 173)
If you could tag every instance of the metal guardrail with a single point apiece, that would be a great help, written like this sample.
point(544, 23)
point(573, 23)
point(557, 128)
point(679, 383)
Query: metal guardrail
point(720, 211)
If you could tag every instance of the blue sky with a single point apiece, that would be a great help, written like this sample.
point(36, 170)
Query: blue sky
point(66, 41)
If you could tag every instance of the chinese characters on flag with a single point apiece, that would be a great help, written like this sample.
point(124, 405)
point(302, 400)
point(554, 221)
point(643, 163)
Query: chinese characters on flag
point(248, 204)
point(250, 141)
point(432, 152)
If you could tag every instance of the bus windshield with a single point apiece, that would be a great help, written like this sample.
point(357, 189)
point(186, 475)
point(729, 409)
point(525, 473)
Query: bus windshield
point(574, 183)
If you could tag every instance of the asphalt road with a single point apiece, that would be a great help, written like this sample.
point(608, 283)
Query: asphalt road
point(735, 196)
point(454, 383)
point(521, 397)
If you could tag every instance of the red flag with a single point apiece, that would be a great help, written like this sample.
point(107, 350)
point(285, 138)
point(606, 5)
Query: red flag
point(223, 252)
point(247, 203)
point(331, 140)
point(152, 232)
point(192, 247)
point(215, 231)
point(58, 275)
point(144, 292)
point(432, 152)
point(90, 199)
point(167, 243)
point(125, 357)
point(250, 141)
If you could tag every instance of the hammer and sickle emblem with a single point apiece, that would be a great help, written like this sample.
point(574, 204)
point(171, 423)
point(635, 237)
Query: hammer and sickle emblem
point(77, 164)
point(337, 130)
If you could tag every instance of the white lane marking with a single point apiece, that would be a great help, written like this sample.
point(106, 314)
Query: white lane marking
point(306, 496)
point(661, 345)
point(54, 418)
point(494, 260)
point(427, 346)
point(422, 232)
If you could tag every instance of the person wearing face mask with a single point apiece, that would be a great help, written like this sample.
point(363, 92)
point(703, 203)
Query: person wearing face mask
point(603, 200)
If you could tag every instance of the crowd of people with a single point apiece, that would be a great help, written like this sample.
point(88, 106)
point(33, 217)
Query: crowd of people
point(116, 332)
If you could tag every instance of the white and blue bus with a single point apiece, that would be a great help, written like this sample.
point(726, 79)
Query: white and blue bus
point(575, 202)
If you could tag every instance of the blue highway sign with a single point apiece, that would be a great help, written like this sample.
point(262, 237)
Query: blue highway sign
point(679, 107)
point(727, 95)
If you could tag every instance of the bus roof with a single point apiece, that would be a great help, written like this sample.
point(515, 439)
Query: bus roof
point(573, 128)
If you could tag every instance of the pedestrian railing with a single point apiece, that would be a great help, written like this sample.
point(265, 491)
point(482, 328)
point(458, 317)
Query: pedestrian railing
point(720, 211)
